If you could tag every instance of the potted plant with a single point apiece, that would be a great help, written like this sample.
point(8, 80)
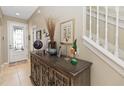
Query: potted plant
point(51, 24)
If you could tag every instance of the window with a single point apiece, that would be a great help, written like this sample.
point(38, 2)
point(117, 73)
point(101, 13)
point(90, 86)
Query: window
point(18, 38)
point(105, 32)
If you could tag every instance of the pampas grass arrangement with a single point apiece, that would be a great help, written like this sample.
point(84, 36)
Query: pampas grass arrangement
point(51, 24)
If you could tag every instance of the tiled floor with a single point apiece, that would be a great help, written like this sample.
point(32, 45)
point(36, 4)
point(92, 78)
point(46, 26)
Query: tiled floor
point(16, 74)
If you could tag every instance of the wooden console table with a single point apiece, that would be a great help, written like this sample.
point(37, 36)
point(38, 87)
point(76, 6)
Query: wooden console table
point(49, 70)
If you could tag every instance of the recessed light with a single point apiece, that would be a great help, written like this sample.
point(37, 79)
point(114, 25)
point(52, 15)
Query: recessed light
point(17, 14)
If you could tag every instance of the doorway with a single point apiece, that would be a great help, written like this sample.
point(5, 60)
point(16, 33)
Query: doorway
point(17, 41)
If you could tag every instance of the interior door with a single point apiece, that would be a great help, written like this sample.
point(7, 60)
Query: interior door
point(17, 39)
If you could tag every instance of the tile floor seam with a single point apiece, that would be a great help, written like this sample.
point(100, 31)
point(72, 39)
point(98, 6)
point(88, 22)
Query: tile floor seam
point(19, 77)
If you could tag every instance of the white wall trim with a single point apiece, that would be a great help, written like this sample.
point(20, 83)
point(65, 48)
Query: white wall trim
point(114, 62)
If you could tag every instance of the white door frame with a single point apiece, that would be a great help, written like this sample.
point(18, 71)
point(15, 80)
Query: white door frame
point(8, 28)
point(32, 37)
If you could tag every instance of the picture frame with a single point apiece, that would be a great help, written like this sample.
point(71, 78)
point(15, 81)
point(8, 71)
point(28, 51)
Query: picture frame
point(38, 35)
point(67, 32)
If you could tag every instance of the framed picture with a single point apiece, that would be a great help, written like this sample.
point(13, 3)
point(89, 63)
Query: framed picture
point(38, 35)
point(67, 32)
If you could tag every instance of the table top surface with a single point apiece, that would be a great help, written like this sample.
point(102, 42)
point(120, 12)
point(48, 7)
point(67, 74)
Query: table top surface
point(65, 65)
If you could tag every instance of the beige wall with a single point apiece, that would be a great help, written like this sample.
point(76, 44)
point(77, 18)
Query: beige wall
point(4, 34)
point(0, 44)
point(1, 25)
point(101, 73)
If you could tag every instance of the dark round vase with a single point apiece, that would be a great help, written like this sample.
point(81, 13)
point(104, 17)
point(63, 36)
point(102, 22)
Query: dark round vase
point(38, 44)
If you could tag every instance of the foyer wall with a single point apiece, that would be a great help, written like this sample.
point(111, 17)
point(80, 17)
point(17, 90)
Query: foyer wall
point(1, 25)
point(101, 73)
point(4, 34)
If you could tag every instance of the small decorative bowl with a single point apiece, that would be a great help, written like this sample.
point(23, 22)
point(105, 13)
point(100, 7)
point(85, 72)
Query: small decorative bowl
point(74, 61)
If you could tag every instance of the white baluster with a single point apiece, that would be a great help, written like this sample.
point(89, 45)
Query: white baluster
point(97, 33)
point(90, 22)
point(116, 34)
point(106, 28)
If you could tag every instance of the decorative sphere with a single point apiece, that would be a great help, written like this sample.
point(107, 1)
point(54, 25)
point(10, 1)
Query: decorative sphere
point(38, 44)
point(74, 61)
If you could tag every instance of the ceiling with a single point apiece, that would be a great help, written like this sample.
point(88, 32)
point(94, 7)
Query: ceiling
point(23, 12)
